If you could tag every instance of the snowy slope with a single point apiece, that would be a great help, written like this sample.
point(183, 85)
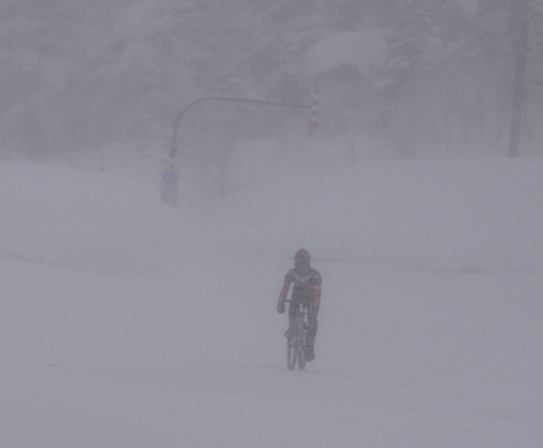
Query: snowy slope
point(88, 221)
point(123, 327)
point(447, 216)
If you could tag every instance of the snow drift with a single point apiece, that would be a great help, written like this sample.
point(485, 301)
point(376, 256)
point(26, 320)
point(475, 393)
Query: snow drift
point(90, 221)
point(476, 216)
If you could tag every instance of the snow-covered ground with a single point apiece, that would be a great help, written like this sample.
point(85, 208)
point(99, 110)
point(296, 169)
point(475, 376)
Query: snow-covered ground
point(124, 323)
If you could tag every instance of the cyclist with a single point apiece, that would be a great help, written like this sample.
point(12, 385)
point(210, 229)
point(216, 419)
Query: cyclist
point(307, 291)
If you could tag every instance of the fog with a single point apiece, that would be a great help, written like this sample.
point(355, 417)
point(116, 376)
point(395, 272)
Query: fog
point(162, 161)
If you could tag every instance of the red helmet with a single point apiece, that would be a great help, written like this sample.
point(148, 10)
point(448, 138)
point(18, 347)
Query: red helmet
point(302, 257)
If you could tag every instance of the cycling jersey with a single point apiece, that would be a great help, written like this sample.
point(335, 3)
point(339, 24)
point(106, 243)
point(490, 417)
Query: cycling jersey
point(307, 286)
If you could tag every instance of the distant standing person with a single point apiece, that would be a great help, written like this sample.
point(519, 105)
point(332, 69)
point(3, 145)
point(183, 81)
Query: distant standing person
point(306, 291)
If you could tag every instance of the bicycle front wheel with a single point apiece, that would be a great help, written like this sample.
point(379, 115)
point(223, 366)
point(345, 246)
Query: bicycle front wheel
point(301, 360)
point(292, 353)
point(301, 353)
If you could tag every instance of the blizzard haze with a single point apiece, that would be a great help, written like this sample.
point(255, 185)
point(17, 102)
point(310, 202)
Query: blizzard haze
point(125, 323)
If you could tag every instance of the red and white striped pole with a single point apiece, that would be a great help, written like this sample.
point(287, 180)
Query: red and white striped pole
point(313, 121)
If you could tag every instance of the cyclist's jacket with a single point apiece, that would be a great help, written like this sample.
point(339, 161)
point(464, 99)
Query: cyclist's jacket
point(307, 287)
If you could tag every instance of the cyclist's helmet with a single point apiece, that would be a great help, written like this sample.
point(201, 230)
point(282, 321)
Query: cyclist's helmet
point(302, 257)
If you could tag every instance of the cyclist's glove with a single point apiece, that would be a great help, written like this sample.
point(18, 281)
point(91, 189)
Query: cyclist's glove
point(280, 307)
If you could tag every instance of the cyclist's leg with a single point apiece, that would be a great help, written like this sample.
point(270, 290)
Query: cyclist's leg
point(312, 325)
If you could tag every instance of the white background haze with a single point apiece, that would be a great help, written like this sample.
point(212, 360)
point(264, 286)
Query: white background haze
point(125, 323)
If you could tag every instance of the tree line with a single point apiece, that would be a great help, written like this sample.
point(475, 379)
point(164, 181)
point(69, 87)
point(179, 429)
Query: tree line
point(78, 74)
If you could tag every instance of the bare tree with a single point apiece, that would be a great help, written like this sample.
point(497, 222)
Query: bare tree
point(519, 25)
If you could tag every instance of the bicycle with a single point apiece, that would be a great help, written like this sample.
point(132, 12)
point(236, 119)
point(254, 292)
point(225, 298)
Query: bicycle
point(296, 337)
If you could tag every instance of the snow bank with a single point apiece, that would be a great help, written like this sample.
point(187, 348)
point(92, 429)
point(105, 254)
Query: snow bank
point(89, 221)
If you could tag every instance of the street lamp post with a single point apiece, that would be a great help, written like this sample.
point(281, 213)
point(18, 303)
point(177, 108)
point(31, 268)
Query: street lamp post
point(170, 176)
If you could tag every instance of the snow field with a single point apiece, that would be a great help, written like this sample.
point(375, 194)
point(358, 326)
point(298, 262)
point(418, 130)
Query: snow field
point(124, 326)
